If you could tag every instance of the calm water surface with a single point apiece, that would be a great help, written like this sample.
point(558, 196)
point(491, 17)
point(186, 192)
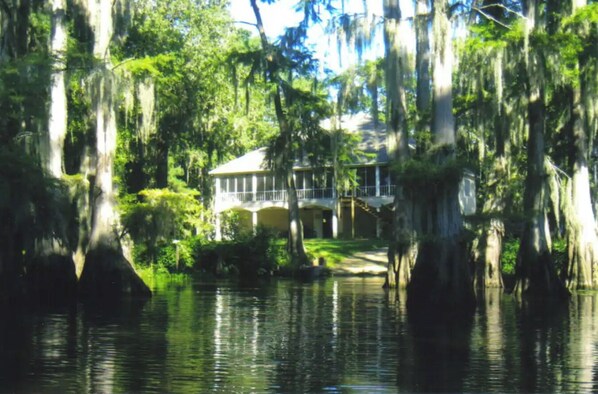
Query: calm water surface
point(338, 335)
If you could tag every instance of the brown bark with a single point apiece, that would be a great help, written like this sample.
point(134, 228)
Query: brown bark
point(402, 250)
point(106, 273)
point(535, 272)
point(582, 237)
point(441, 281)
point(422, 59)
point(488, 267)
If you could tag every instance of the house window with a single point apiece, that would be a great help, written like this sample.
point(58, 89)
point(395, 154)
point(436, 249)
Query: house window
point(248, 182)
point(223, 185)
point(279, 183)
point(240, 186)
point(261, 183)
point(299, 180)
point(384, 176)
point(366, 176)
point(308, 180)
point(467, 187)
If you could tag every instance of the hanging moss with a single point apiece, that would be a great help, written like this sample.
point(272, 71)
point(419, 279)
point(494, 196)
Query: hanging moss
point(425, 177)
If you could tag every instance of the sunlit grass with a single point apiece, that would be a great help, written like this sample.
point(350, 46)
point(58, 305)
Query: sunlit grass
point(337, 250)
point(160, 278)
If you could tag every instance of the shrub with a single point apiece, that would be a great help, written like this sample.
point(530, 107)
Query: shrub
point(249, 255)
point(511, 248)
point(509, 255)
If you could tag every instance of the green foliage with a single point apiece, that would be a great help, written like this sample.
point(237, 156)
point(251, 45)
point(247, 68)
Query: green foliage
point(33, 207)
point(249, 255)
point(559, 254)
point(156, 217)
point(425, 178)
point(583, 16)
point(157, 278)
point(510, 250)
point(508, 256)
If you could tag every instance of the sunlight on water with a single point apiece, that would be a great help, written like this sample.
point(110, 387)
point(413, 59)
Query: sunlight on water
point(338, 335)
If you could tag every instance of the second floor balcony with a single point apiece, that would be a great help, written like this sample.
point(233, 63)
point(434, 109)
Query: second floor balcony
point(235, 198)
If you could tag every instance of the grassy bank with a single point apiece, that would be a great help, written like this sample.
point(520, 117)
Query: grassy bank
point(336, 250)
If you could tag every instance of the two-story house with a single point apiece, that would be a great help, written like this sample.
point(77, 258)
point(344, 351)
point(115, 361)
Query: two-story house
point(246, 186)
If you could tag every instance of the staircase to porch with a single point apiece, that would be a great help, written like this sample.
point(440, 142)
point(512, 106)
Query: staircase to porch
point(346, 201)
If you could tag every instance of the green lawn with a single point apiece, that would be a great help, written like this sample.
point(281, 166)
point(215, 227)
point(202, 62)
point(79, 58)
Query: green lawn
point(336, 250)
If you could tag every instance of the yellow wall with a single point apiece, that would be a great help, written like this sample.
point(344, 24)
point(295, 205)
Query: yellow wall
point(277, 219)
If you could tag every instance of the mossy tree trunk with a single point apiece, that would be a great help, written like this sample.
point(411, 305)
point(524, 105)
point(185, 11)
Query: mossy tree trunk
point(582, 238)
point(535, 272)
point(422, 64)
point(441, 282)
point(106, 273)
point(52, 272)
point(403, 247)
point(488, 245)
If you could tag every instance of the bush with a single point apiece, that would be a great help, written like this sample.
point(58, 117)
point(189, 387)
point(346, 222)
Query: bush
point(511, 248)
point(559, 255)
point(249, 255)
point(508, 258)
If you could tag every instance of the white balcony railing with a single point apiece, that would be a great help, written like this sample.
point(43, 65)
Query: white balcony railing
point(302, 194)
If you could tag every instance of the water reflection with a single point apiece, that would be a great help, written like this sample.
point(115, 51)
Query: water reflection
point(283, 336)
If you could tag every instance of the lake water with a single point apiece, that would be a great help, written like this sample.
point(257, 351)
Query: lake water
point(337, 335)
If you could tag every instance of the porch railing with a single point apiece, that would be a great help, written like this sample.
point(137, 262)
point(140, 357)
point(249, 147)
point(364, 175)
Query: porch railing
point(302, 194)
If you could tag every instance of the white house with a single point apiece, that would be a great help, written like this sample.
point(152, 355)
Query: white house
point(246, 186)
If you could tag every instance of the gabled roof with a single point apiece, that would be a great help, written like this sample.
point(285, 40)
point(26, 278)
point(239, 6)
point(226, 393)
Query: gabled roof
point(373, 143)
point(253, 161)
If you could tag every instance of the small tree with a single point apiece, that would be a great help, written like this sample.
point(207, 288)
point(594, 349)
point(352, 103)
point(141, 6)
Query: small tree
point(300, 106)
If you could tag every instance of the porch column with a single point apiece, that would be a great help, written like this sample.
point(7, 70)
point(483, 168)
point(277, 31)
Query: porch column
point(378, 224)
point(377, 181)
point(218, 235)
point(217, 224)
point(254, 221)
point(334, 224)
point(352, 216)
point(254, 187)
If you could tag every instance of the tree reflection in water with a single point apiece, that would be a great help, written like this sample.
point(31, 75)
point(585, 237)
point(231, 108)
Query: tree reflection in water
point(285, 336)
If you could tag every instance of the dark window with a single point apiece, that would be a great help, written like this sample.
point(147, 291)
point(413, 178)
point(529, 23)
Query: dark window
point(261, 183)
point(278, 183)
point(361, 176)
point(248, 183)
point(370, 176)
point(269, 182)
point(308, 180)
point(239, 181)
point(299, 180)
point(384, 176)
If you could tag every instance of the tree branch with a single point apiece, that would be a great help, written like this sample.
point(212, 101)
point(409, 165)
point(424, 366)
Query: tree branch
point(246, 23)
point(490, 17)
point(510, 10)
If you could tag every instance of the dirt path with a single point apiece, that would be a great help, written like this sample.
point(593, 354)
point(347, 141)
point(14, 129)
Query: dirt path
point(363, 263)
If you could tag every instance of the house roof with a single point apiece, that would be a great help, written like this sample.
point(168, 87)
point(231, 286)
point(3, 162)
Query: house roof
point(373, 143)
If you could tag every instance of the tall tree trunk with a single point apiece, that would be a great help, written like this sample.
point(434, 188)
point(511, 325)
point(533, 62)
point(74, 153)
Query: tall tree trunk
point(106, 272)
point(53, 272)
point(582, 238)
point(403, 247)
point(58, 110)
point(296, 247)
point(535, 272)
point(441, 281)
point(489, 244)
point(422, 63)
